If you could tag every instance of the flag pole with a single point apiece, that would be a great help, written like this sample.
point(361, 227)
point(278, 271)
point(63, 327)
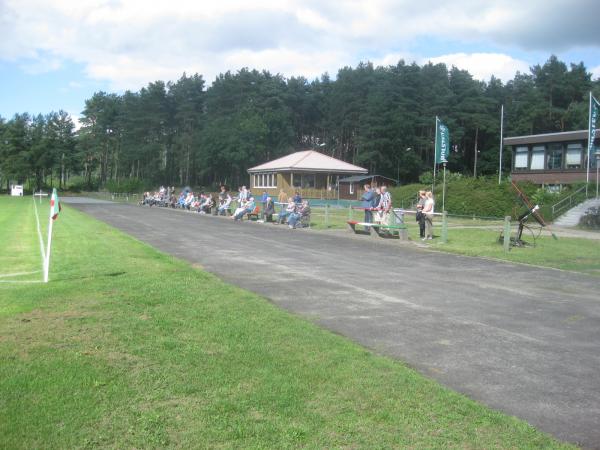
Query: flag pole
point(47, 262)
point(444, 191)
point(434, 153)
point(590, 145)
point(501, 143)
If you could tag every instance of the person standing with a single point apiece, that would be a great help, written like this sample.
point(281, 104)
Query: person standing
point(297, 198)
point(420, 216)
point(385, 206)
point(428, 210)
point(269, 210)
point(367, 199)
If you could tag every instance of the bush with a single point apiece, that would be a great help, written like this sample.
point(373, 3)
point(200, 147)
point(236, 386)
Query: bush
point(481, 196)
point(78, 184)
point(591, 219)
point(128, 185)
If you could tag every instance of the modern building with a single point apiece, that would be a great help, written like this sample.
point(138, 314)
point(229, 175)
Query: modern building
point(351, 188)
point(552, 158)
point(312, 173)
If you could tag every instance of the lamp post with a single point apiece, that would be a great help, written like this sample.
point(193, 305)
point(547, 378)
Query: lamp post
point(597, 155)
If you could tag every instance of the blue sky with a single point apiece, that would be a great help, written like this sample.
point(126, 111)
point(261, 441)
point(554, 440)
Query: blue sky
point(55, 55)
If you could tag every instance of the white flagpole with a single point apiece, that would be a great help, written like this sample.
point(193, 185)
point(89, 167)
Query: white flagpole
point(47, 262)
point(434, 153)
point(501, 143)
point(589, 149)
point(444, 191)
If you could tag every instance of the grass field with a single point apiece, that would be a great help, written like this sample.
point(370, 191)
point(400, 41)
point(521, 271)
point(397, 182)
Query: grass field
point(129, 348)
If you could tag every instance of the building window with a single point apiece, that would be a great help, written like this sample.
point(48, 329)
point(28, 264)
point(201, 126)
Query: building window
point(304, 181)
point(538, 154)
point(351, 188)
point(265, 180)
point(555, 157)
point(521, 158)
point(297, 180)
point(308, 181)
point(574, 152)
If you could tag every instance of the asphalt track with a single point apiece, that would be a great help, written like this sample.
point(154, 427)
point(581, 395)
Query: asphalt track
point(520, 339)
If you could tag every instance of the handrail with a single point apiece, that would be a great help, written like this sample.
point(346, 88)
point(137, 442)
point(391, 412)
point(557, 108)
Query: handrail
point(562, 204)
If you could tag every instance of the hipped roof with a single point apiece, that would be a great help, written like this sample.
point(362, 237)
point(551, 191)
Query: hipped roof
point(308, 161)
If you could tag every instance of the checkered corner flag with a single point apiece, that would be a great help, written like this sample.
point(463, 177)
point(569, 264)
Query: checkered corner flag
point(55, 209)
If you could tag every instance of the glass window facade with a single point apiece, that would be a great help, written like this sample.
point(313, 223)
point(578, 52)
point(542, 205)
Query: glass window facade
point(555, 157)
point(538, 157)
point(521, 158)
point(574, 153)
point(265, 180)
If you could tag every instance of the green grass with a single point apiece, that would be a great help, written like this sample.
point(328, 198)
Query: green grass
point(129, 348)
point(581, 255)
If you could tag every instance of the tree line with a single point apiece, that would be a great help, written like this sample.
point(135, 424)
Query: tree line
point(382, 118)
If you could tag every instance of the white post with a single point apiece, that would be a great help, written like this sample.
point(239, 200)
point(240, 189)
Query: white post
point(589, 149)
point(501, 143)
point(444, 191)
point(434, 153)
point(47, 262)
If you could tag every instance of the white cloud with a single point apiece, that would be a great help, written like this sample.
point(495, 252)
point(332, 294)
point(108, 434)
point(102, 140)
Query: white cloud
point(132, 42)
point(483, 65)
point(595, 73)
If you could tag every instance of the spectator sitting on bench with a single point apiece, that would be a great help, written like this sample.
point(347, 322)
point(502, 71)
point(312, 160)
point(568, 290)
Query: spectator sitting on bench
point(297, 216)
point(269, 209)
point(224, 203)
point(290, 208)
point(189, 199)
point(247, 208)
point(181, 201)
point(206, 206)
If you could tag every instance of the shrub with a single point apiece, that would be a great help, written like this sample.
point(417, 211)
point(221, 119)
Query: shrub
point(128, 185)
point(591, 219)
point(78, 184)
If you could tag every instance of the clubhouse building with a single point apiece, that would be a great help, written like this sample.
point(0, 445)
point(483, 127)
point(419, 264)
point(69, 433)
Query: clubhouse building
point(552, 158)
point(313, 174)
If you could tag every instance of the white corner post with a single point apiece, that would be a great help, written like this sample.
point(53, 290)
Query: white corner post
point(49, 246)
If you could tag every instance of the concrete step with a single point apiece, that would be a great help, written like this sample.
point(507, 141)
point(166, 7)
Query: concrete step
point(572, 216)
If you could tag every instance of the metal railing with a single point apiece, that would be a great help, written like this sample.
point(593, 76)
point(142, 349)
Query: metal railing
point(568, 202)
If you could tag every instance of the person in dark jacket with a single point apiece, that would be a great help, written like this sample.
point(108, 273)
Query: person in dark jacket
point(269, 210)
point(367, 203)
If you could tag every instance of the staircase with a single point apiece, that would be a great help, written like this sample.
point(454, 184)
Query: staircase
point(572, 216)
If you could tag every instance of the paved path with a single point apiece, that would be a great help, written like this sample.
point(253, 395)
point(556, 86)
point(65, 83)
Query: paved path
point(520, 339)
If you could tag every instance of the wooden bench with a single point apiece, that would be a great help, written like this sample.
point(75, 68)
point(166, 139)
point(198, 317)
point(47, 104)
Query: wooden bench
point(379, 230)
point(255, 213)
point(352, 224)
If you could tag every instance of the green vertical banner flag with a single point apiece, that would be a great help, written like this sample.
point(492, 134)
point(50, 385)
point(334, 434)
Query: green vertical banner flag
point(594, 111)
point(54, 205)
point(442, 142)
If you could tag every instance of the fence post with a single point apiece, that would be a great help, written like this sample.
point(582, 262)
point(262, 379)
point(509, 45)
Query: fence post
point(444, 227)
point(326, 215)
point(506, 242)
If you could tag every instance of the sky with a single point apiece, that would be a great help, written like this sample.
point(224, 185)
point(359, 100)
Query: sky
point(54, 54)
